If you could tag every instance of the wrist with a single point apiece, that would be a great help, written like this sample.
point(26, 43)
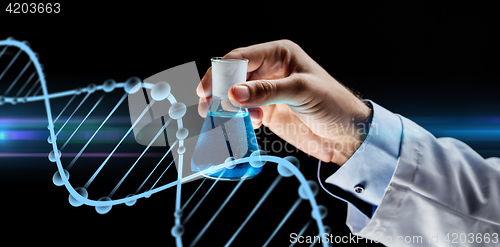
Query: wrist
point(363, 121)
point(346, 145)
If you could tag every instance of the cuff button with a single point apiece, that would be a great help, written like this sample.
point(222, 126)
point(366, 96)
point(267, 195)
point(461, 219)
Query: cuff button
point(359, 189)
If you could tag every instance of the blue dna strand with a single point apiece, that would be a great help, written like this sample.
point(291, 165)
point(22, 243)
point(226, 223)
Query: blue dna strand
point(24, 80)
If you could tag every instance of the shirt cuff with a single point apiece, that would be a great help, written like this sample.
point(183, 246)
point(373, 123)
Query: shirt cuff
point(369, 170)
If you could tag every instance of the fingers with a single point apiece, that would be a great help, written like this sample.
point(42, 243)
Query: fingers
point(292, 90)
point(271, 60)
point(204, 89)
point(256, 115)
point(203, 106)
point(255, 54)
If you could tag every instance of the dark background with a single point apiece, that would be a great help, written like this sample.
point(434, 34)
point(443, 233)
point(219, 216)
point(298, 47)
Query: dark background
point(416, 59)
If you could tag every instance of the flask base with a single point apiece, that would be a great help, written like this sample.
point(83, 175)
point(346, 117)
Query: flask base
point(227, 176)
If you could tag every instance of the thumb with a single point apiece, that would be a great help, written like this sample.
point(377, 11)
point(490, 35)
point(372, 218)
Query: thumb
point(266, 92)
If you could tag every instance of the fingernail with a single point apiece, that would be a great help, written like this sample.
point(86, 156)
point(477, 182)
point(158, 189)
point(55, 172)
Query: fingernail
point(242, 93)
point(254, 115)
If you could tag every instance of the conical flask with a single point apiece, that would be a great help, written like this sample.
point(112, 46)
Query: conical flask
point(227, 133)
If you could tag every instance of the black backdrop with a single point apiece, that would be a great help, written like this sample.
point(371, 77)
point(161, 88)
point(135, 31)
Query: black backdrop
point(415, 59)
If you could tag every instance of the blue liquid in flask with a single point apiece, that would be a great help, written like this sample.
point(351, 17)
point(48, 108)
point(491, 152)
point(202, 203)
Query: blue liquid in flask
point(226, 136)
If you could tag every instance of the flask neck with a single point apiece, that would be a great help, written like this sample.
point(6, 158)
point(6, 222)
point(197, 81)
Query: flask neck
point(227, 72)
point(224, 107)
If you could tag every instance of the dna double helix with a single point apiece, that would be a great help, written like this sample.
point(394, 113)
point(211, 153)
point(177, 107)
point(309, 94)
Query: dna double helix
point(25, 83)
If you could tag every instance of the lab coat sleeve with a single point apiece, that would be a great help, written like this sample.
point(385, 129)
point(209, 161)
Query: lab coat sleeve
point(370, 167)
point(442, 193)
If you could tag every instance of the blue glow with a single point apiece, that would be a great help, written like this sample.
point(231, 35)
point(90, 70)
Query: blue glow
point(464, 128)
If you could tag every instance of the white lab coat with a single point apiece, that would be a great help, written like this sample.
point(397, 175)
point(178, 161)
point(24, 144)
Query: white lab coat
point(442, 193)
